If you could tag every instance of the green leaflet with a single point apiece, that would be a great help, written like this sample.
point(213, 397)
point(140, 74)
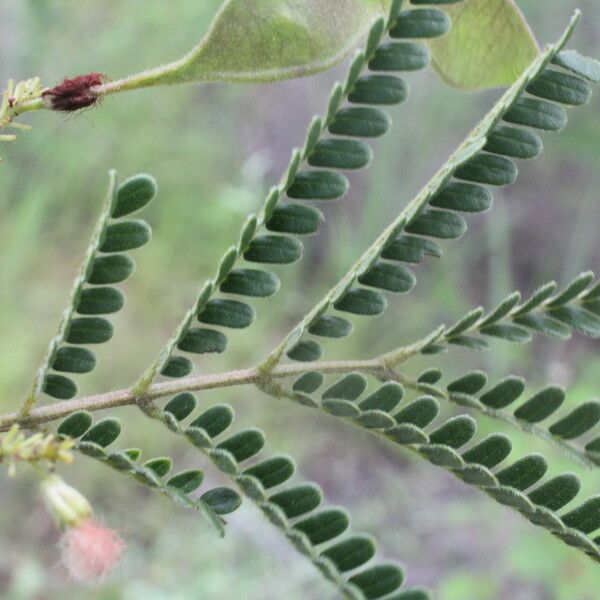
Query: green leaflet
point(72, 359)
point(340, 154)
point(295, 218)
point(386, 398)
point(379, 580)
point(576, 423)
point(104, 432)
point(227, 313)
point(542, 405)
point(400, 56)
point(490, 452)
point(273, 249)
point(187, 481)
point(557, 492)
point(125, 235)
point(324, 525)
point(351, 553)
point(331, 326)
point(349, 387)
point(581, 65)
point(272, 471)
point(560, 87)
point(318, 185)
point(298, 500)
point(504, 393)
point(177, 366)
point(111, 269)
point(222, 500)
point(59, 387)
point(489, 45)
point(430, 376)
point(306, 351)
point(468, 384)
point(133, 194)
point(390, 277)
point(160, 465)
point(76, 424)
point(309, 382)
point(524, 473)
point(215, 420)
point(360, 121)
point(513, 141)
point(421, 23)
point(537, 113)
point(181, 406)
point(244, 444)
point(359, 301)
point(420, 412)
point(341, 408)
point(377, 89)
point(455, 432)
point(100, 301)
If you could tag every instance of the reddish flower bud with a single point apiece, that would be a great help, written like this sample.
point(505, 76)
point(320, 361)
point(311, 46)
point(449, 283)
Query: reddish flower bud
point(73, 94)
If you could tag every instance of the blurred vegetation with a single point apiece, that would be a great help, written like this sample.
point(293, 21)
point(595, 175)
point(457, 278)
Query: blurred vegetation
point(214, 151)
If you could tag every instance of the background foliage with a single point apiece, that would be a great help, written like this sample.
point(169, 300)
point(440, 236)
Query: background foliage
point(214, 150)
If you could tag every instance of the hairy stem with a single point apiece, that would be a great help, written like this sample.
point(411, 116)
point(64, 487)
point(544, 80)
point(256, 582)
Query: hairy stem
point(126, 397)
point(378, 367)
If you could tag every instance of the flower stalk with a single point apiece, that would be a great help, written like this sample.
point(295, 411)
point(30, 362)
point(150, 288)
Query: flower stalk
point(17, 99)
point(16, 447)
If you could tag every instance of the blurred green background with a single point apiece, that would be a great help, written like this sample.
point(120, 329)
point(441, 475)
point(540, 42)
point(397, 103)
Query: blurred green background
point(215, 150)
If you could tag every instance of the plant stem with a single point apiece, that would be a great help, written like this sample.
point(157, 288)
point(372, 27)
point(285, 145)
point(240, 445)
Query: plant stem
point(7, 117)
point(164, 75)
point(35, 104)
point(378, 367)
point(126, 397)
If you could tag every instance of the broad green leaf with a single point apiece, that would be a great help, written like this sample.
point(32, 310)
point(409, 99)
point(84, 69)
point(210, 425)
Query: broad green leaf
point(270, 40)
point(489, 45)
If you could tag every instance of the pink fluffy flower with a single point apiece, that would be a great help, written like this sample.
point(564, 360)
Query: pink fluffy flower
point(90, 551)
